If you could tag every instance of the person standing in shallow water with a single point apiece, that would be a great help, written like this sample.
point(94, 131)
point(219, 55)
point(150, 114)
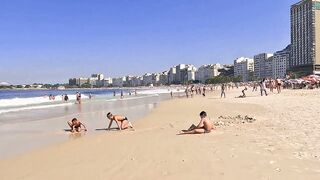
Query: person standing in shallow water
point(121, 94)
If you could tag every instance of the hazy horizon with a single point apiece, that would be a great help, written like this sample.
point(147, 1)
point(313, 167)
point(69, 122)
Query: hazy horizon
point(52, 41)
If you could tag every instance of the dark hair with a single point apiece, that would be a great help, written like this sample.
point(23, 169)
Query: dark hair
point(109, 113)
point(74, 119)
point(203, 113)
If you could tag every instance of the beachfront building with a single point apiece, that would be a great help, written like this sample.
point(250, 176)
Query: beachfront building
point(147, 79)
point(172, 75)
point(263, 66)
point(191, 72)
point(99, 77)
point(118, 82)
point(164, 78)
point(180, 75)
point(305, 37)
point(81, 81)
point(206, 72)
point(73, 81)
point(136, 81)
point(106, 82)
point(93, 81)
point(244, 67)
point(183, 74)
point(281, 62)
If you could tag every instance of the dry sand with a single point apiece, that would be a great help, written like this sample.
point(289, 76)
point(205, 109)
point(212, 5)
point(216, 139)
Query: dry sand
point(281, 144)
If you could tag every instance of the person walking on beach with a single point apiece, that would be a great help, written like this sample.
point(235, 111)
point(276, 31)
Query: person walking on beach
point(204, 91)
point(278, 84)
point(204, 126)
point(187, 92)
point(171, 93)
point(255, 88)
point(223, 88)
point(271, 85)
point(114, 93)
point(263, 88)
point(122, 121)
point(76, 125)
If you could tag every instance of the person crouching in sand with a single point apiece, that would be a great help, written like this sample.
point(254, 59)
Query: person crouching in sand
point(122, 121)
point(75, 125)
point(204, 126)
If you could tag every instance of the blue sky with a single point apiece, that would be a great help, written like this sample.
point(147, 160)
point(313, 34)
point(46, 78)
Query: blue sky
point(50, 41)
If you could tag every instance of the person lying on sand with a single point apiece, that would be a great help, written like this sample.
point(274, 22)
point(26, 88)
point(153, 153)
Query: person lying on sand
point(75, 125)
point(122, 121)
point(204, 126)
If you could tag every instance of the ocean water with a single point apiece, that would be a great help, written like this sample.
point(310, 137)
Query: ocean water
point(20, 100)
point(28, 119)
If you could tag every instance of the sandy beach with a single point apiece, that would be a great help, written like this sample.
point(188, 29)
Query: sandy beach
point(281, 143)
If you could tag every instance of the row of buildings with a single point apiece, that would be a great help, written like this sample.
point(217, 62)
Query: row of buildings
point(180, 74)
point(263, 65)
point(301, 57)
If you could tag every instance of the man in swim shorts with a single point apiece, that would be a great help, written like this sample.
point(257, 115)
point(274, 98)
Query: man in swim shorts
point(204, 126)
point(122, 121)
point(76, 125)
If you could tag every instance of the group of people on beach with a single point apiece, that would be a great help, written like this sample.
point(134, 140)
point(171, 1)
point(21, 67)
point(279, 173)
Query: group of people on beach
point(204, 125)
point(121, 121)
point(192, 90)
point(122, 93)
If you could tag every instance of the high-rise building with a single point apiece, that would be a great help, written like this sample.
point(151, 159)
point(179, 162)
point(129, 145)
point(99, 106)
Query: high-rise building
point(281, 63)
point(118, 82)
point(263, 66)
point(164, 79)
point(206, 72)
point(180, 75)
point(305, 36)
point(244, 67)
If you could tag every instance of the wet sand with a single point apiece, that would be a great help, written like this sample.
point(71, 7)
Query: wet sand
point(21, 132)
point(280, 144)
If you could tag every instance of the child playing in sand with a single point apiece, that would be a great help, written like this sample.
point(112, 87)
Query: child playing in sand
point(204, 126)
point(75, 125)
point(122, 121)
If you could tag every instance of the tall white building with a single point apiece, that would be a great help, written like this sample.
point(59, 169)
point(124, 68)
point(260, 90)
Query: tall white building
point(263, 66)
point(118, 82)
point(281, 62)
point(207, 72)
point(305, 36)
point(172, 75)
point(136, 81)
point(191, 72)
point(147, 79)
point(81, 81)
point(180, 75)
point(244, 67)
point(164, 78)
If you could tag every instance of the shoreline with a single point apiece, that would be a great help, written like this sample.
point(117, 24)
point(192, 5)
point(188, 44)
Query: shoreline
point(272, 147)
point(42, 127)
